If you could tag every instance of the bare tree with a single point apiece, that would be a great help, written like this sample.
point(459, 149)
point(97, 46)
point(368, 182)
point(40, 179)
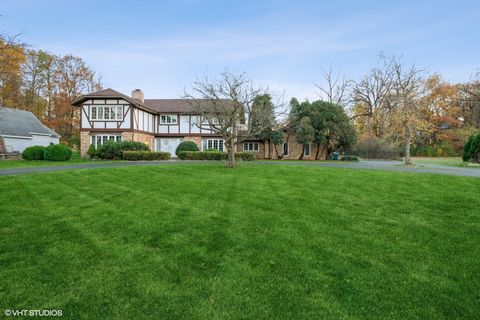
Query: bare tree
point(225, 106)
point(334, 88)
point(371, 94)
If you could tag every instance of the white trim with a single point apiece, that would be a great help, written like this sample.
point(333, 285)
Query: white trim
point(17, 137)
point(42, 134)
point(171, 116)
point(309, 149)
point(255, 146)
point(213, 143)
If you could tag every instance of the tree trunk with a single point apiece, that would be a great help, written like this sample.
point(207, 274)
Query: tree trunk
point(318, 151)
point(276, 151)
point(231, 156)
point(407, 144)
point(301, 155)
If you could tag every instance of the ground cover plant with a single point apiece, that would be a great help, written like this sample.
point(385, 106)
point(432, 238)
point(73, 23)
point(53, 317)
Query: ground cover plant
point(202, 241)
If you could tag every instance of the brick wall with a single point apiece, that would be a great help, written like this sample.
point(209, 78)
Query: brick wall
point(196, 139)
point(84, 143)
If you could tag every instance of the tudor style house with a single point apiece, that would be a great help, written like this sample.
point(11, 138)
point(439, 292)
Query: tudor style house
point(162, 124)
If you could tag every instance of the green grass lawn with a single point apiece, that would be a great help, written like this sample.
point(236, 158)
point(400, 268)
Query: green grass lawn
point(258, 242)
point(445, 161)
point(7, 164)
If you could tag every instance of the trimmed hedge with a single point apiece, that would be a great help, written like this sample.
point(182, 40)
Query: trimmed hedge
point(57, 152)
point(209, 155)
point(145, 155)
point(114, 149)
point(349, 158)
point(33, 153)
point(186, 146)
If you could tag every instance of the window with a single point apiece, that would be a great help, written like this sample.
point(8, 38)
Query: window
point(98, 140)
point(168, 119)
point(250, 146)
point(306, 149)
point(106, 112)
point(216, 144)
point(285, 148)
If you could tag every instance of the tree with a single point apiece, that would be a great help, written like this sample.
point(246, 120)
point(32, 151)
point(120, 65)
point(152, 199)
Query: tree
point(12, 56)
point(334, 88)
point(370, 96)
point(274, 138)
point(407, 86)
point(332, 127)
point(72, 78)
point(304, 133)
point(37, 70)
point(226, 106)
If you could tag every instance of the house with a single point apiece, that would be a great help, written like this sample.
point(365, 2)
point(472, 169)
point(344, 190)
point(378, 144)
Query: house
point(20, 129)
point(161, 124)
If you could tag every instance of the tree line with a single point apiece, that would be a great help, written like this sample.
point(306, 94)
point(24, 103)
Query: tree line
point(406, 106)
point(45, 84)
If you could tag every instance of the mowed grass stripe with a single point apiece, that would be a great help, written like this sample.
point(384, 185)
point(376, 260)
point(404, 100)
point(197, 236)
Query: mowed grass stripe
point(203, 241)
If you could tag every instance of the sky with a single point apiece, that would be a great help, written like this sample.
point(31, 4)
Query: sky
point(161, 47)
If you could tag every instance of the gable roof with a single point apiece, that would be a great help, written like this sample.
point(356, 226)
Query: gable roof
point(110, 93)
point(15, 122)
point(151, 105)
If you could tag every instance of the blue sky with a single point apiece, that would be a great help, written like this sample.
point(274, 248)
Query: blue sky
point(162, 46)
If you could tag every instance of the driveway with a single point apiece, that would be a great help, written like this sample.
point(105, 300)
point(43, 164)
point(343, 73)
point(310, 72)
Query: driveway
point(367, 165)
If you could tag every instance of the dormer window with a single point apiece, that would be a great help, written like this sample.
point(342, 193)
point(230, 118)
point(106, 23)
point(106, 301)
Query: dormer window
point(168, 119)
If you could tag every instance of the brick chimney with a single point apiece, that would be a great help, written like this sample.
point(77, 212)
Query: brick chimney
point(138, 94)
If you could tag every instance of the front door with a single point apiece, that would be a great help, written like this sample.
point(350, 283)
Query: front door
point(168, 145)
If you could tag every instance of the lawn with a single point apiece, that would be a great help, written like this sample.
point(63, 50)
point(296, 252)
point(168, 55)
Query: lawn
point(258, 242)
point(445, 161)
point(6, 164)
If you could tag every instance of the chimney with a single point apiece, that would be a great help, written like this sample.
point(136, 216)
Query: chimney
point(138, 94)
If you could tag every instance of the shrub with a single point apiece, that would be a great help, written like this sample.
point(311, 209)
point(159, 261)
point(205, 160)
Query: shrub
point(374, 148)
point(208, 155)
point(471, 149)
point(145, 155)
point(92, 152)
point(350, 158)
point(33, 153)
point(211, 150)
point(115, 149)
point(57, 152)
point(186, 146)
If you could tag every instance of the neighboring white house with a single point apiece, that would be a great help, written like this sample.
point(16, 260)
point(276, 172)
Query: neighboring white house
point(20, 129)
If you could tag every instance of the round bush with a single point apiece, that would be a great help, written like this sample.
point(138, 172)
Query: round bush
point(471, 149)
point(33, 153)
point(57, 152)
point(186, 146)
point(92, 152)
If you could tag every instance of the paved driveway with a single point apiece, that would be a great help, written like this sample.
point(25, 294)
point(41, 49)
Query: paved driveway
point(369, 165)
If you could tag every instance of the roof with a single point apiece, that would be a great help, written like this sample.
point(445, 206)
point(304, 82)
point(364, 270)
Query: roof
point(175, 105)
point(15, 122)
point(110, 93)
point(151, 105)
